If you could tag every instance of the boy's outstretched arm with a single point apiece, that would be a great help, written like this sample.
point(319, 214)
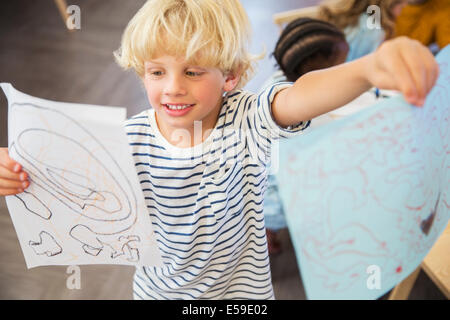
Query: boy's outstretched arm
point(400, 64)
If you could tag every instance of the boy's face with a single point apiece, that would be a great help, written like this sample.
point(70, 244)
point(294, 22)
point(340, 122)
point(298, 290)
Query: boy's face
point(182, 93)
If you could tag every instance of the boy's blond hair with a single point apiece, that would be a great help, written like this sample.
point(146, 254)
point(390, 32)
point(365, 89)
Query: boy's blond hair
point(212, 33)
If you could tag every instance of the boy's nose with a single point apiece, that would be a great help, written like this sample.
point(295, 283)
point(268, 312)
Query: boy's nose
point(175, 86)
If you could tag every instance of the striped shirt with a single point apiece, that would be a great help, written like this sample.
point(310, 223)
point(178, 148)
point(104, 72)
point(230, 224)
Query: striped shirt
point(206, 202)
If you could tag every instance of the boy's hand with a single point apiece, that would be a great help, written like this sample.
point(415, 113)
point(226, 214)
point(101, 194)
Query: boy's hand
point(405, 65)
point(13, 179)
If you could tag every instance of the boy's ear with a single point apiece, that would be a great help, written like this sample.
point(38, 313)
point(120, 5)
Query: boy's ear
point(231, 81)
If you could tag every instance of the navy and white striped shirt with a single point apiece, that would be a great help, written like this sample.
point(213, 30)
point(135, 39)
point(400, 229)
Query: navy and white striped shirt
point(206, 202)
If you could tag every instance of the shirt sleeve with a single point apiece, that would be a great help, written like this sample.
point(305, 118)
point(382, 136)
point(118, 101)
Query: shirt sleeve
point(264, 131)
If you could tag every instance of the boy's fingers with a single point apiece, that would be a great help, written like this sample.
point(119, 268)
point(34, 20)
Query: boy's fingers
point(7, 174)
point(402, 76)
point(13, 184)
point(432, 67)
point(417, 70)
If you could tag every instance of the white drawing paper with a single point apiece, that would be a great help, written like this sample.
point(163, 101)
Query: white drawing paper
point(84, 204)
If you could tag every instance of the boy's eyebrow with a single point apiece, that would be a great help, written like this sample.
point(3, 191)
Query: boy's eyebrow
point(186, 65)
point(153, 62)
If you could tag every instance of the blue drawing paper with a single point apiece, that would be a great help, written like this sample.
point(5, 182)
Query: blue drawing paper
point(367, 196)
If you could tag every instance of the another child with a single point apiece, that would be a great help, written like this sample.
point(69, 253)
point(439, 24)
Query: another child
point(304, 45)
point(309, 44)
point(205, 191)
point(352, 16)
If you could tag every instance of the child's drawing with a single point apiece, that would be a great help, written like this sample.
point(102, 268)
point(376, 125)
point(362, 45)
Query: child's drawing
point(80, 206)
point(371, 189)
point(47, 245)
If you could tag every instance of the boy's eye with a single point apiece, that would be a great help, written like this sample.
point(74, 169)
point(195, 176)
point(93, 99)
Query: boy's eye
point(156, 73)
point(193, 73)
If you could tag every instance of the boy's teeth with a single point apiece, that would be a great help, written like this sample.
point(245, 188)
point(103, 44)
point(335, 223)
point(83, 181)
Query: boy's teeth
point(177, 107)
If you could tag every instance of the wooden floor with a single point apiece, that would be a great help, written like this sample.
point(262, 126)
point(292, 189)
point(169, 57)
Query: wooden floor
point(39, 57)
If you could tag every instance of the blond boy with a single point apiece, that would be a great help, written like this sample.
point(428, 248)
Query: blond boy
point(201, 152)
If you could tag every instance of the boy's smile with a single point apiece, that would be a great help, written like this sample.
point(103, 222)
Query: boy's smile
point(182, 93)
point(177, 110)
